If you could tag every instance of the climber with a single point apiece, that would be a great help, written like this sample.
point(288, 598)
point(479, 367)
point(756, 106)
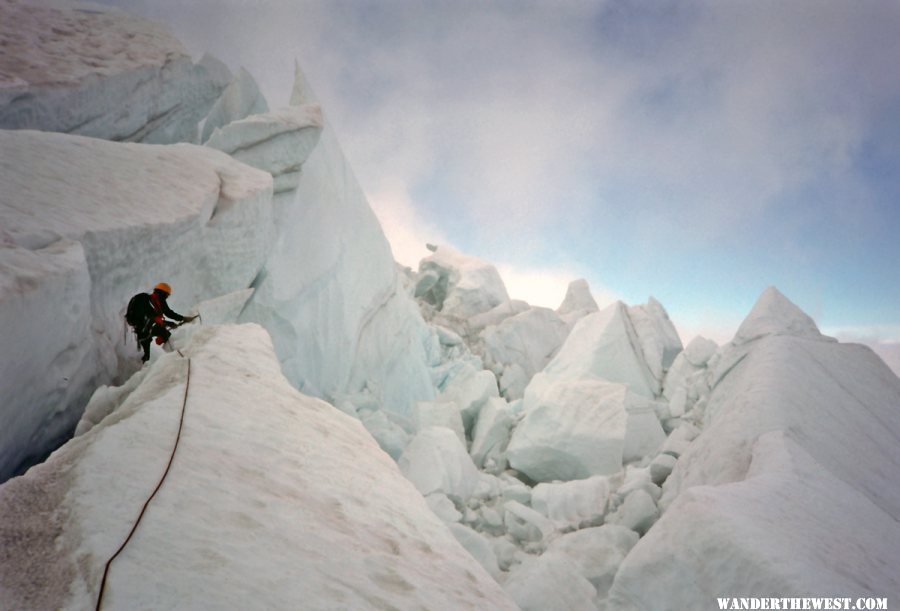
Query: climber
point(146, 315)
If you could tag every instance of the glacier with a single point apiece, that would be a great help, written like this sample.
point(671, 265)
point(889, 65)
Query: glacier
point(86, 223)
point(361, 436)
point(789, 489)
point(209, 225)
point(292, 501)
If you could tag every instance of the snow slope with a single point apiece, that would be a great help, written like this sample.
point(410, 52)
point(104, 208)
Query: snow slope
point(792, 487)
point(85, 225)
point(274, 500)
point(100, 73)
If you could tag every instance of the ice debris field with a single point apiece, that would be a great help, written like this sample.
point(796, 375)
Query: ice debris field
point(356, 435)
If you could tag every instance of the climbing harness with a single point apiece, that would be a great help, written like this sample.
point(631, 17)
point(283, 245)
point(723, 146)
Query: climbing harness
point(109, 562)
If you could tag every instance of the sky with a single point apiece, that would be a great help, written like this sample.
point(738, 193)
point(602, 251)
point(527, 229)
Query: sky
point(694, 151)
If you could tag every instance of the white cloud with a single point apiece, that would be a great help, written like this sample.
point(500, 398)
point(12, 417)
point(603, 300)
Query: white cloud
point(694, 120)
point(405, 230)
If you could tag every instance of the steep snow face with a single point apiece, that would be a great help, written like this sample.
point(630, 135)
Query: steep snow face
point(274, 500)
point(85, 225)
point(792, 487)
point(102, 73)
point(330, 293)
point(837, 397)
point(605, 345)
point(459, 286)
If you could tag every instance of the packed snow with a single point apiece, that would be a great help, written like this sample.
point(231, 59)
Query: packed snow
point(790, 489)
point(274, 500)
point(99, 73)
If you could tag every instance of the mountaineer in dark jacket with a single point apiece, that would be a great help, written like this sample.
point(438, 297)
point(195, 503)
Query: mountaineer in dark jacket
point(147, 316)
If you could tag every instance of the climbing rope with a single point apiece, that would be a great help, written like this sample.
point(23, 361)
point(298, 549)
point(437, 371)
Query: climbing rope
point(109, 562)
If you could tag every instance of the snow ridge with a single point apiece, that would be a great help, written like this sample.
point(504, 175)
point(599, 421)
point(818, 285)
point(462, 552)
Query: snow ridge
point(299, 503)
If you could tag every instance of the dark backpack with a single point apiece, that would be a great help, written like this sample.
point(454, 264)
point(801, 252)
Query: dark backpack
point(140, 310)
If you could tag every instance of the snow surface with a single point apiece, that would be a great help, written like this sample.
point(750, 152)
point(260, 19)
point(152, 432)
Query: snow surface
point(98, 72)
point(774, 314)
point(572, 429)
point(80, 220)
point(604, 345)
point(765, 487)
point(790, 489)
point(274, 500)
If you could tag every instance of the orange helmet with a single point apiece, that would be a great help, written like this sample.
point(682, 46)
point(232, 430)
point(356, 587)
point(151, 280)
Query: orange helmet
point(165, 288)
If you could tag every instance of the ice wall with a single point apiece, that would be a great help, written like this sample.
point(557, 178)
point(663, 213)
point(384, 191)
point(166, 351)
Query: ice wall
point(87, 223)
point(99, 73)
point(330, 294)
point(275, 501)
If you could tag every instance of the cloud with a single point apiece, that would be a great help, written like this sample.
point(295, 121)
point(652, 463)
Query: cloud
point(678, 143)
point(405, 230)
point(694, 115)
point(628, 138)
